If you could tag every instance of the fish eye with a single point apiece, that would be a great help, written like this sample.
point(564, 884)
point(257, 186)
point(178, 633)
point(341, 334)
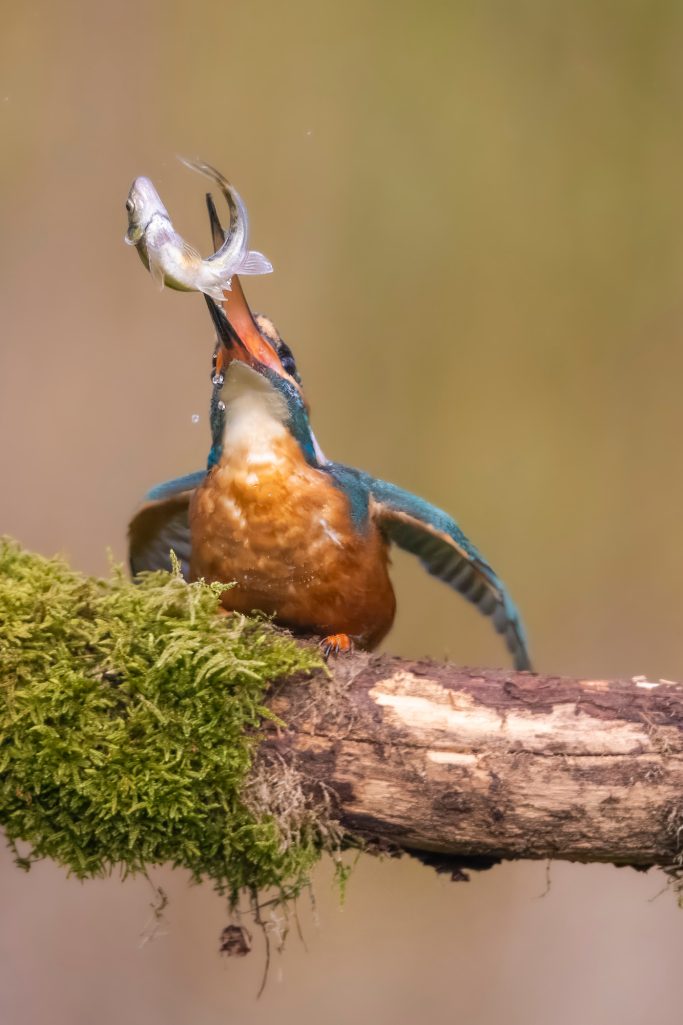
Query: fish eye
point(130, 205)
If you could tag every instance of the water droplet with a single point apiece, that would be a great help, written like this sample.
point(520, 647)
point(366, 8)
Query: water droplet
point(195, 418)
point(221, 405)
point(217, 379)
point(309, 131)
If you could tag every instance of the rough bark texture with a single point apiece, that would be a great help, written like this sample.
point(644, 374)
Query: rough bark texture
point(490, 763)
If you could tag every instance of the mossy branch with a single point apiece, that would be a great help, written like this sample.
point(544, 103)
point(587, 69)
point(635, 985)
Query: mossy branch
point(140, 726)
point(129, 723)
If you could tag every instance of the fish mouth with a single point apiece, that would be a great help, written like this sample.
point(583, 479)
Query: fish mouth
point(134, 235)
point(137, 232)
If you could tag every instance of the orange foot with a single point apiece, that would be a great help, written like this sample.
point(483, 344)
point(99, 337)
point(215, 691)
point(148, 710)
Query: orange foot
point(336, 644)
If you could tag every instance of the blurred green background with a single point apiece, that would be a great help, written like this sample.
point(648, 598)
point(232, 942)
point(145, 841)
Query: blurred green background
point(474, 212)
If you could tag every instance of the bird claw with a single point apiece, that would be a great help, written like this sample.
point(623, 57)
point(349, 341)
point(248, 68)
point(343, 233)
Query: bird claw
point(336, 644)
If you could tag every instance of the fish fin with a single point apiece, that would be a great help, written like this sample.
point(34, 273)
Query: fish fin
point(254, 262)
point(215, 292)
point(190, 253)
point(156, 269)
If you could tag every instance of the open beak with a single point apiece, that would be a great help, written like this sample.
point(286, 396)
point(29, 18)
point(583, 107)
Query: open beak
point(249, 347)
point(232, 346)
point(241, 319)
point(238, 333)
point(236, 312)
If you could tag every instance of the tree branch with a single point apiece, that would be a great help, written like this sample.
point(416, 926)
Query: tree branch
point(488, 763)
point(131, 725)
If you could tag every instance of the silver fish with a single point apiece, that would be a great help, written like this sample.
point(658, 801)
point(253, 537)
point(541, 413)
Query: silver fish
point(169, 258)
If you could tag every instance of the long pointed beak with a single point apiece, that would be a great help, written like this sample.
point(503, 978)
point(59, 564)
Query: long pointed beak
point(248, 345)
point(217, 236)
point(236, 308)
point(227, 335)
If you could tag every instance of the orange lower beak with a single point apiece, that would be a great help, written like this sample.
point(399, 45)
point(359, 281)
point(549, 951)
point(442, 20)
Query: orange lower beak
point(236, 309)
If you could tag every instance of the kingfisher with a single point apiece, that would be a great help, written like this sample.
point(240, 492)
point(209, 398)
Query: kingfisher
point(302, 538)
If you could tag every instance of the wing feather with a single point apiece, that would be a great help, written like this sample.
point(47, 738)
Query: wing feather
point(441, 546)
point(446, 553)
point(162, 524)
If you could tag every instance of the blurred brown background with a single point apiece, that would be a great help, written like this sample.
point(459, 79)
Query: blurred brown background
point(474, 212)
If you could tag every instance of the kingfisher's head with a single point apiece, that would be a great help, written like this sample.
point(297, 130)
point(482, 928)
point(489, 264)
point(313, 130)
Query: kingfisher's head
point(256, 383)
point(253, 367)
point(251, 338)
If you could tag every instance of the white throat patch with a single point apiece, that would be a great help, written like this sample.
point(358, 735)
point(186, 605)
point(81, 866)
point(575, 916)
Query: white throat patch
point(255, 414)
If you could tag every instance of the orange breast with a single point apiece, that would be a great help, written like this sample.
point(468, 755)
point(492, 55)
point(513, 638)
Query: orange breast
point(282, 531)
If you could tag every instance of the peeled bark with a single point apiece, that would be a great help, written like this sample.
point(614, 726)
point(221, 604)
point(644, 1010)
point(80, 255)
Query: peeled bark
point(489, 763)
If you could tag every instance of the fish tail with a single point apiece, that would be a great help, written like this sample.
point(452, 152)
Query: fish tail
point(207, 170)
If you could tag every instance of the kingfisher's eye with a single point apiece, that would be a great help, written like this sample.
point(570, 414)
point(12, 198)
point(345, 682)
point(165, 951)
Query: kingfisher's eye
point(130, 205)
point(287, 359)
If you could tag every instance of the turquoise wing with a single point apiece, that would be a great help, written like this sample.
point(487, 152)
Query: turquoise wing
point(442, 548)
point(162, 524)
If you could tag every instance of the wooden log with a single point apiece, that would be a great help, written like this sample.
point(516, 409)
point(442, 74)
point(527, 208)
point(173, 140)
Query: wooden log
point(491, 763)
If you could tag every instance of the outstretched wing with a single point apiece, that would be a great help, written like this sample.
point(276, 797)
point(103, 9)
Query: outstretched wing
point(445, 552)
point(161, 524)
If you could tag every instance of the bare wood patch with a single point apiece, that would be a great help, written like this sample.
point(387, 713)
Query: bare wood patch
point(492, 764)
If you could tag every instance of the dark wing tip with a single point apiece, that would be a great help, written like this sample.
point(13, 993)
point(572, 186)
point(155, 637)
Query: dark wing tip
point(224, 329)
point(517, 647)
point(445, 552)
point(507, 622)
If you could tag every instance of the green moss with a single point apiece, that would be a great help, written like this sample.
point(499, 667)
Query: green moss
point(129, 723)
